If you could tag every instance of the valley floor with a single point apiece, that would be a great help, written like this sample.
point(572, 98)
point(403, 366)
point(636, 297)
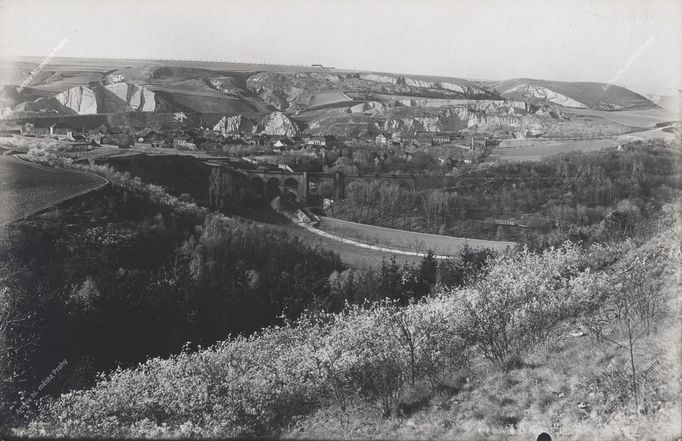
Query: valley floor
point(543, 150)
point(409, 241)
point(633, 118)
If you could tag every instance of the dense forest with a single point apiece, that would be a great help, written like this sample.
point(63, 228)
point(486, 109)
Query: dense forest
point(570, 196)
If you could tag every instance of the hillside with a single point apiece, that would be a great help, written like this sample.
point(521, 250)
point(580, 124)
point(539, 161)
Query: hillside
point(318, 100)
point(589, 95)
point(507, 358)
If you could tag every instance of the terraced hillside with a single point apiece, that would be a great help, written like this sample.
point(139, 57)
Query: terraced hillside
point(286, 100)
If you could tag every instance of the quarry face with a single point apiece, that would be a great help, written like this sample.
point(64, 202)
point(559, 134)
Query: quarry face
point(320, 102)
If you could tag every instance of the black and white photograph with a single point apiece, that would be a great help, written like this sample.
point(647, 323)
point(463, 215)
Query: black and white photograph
point(341, 219)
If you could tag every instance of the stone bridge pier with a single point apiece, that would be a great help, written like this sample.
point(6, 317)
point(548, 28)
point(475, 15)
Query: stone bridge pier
point(269, 185)
point(228, 184)
point(237, 185)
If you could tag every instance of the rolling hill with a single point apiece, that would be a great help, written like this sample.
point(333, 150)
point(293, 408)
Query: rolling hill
point(586, 95)
point(319, 100)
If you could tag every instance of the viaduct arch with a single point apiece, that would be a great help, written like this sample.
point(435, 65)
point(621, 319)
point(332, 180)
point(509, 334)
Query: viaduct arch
point(227, 183)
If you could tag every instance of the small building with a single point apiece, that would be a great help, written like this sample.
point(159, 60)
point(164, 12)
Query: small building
point(160, 144)
point(180, 116)
point(29, 129)
point(396, 138)
point(317, 141)
point(283, 143)
point(440, 139)
point(61, 131)
point(184, 143)
point(382, 139)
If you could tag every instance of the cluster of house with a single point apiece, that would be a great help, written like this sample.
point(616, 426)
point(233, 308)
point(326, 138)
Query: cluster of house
point(63, 132)
point(57, 131)
point(208, 140)
point(426, 139)
point(387, 141)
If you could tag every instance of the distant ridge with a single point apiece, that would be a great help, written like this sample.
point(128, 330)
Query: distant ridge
point(591, 95)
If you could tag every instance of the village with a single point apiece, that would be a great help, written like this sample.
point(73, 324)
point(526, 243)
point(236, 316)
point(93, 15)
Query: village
point(371, 152)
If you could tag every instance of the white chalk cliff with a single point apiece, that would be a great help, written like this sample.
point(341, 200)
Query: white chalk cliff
point(544, 94)
point(123, 97)
point(233, 125)
point(82, 100)
point(277, 123)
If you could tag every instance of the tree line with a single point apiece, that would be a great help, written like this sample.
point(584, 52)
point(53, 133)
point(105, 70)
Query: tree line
point(121, 275)
point(543, 201)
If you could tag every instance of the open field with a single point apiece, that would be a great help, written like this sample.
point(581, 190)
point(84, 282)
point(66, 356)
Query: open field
point(648, 135)
point(26, 188)
point(106, 64)
point(633, 118)
point(405, 240)
point(328, 98)
point(537, 152)
point(356, 257)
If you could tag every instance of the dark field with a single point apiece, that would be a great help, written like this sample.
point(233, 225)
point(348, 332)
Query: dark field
point(27, 188)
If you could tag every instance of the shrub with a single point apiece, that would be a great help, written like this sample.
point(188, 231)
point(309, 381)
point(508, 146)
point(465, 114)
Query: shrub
point(252, 385)
point(522, 299)
point(631, 305)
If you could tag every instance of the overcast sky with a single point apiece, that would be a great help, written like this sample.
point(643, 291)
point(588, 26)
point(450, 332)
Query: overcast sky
point(634, 43)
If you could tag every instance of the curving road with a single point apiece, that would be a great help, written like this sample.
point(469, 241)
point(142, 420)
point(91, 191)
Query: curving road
point(27, 188)
point(401, 242)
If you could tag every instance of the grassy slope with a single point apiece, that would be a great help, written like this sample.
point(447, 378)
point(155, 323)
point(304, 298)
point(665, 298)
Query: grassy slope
point(593, 95)
point(565, 386)
point(554, 392)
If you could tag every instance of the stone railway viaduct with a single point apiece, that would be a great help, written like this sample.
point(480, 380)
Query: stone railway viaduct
point(230, 184)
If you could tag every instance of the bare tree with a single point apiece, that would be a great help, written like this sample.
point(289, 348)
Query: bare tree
point(389, 195)
point(10, 346)
point(434, 203)
point(634, 307)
